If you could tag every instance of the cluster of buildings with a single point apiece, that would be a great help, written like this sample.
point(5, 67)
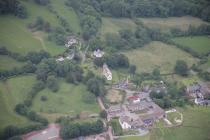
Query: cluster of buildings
point(106, 72)
point(198, 91)
point(137, 112)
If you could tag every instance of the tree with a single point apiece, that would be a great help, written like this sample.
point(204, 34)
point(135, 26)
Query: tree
point(10, 131)
point(70, 131)
point(52, 83)
point(36, 57)
point(43, 98)
point(21, 109)
point(103, 114)
point(13, 7)
point(132, 69)
point(99, 61)
point(137, 80)
point(42, 71)
point(181, 68)
point(88, 76)
point(42, 2)
point(156, 74)
point(96, 86)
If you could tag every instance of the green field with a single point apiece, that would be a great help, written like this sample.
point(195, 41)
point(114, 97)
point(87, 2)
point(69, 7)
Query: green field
point(200, 44)
point(164, 24)
point(147, 137)
point(206, 66)
point(196, 126)
point(12, 92)
point(68, 13)
point(68, 100)
point(17, 38)
point(7, 63)
point(158, 55)
point(113, 25)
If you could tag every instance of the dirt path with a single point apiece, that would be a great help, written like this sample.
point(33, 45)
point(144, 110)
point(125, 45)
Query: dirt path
point(37, 35)
point(101, 103)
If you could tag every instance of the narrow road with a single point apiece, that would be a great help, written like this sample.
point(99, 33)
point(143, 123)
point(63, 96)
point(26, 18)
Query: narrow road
point(110, 133)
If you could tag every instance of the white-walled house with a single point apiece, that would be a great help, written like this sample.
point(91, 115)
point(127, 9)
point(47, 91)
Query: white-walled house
point(130, 123)
point(60, 59)
point(98, 53)
point(106, 72)
point(124, 122)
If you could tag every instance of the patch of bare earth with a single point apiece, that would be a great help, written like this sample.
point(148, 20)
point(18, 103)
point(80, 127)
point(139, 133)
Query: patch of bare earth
point(114, 96)
point(39, 36)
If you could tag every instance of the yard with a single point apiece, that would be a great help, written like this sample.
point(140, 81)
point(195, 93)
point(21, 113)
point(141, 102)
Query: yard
point(182, 23)
point(196, 126)
point(68, 100)
point(158, 55)
point(115, 96)
point(174, 116)
point(12, 92)
point(199, 44)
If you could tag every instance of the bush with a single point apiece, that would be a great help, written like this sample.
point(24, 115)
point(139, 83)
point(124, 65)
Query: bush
point(181, 68)
point(52, 83)
point(43, 98)
point(42, 2)
point(103, 114)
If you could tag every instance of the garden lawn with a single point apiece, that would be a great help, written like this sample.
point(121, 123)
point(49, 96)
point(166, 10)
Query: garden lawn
point(199, 44)
point(7, 63)
point(196, 126)
point(163, 24)
point(68, 100)
point(158, 55)
point(12, 92)
point(114, 25)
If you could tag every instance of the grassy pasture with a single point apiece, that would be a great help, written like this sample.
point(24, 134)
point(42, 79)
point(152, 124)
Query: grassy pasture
point(17, 38)
point(196, 126)
point(68, 13)
point(158, 55)
point(113, 25)
point(200, 44)
point(182, 23)
point(7, 63)
point(147, 137)
point(12, 92)
point(206, 66)
point(68, 100)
